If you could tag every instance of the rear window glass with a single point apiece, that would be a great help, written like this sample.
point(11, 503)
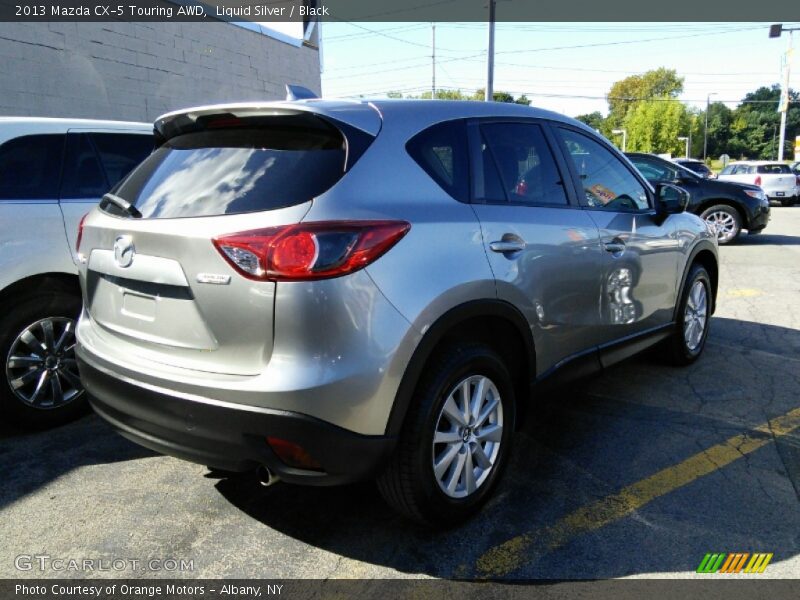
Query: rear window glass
point(237, 170)
point(777, 169)
point(441, 151)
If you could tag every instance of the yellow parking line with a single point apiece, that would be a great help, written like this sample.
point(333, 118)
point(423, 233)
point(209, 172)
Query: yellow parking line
point(523, 549)
point(744, 293)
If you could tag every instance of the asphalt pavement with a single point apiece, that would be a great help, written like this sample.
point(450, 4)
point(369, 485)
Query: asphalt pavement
point(636, 473)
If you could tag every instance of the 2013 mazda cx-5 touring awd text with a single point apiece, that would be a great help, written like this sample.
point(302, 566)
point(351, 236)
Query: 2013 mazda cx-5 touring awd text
point(331, 291)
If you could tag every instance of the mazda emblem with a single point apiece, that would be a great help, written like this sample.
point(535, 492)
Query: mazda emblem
point(124, 251)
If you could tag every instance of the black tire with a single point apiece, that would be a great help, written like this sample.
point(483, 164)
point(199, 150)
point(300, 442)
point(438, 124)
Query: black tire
point(787, 202)
point(709, 214)
point(678, 351)
point(409, 484)
point(20, 314)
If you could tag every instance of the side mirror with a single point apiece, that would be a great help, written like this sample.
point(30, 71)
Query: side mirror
point(670, 199)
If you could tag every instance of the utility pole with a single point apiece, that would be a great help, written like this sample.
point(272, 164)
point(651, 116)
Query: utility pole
point(685, 140)
point(433, 61)
point(774, 133)
point(705, 129)
point(490, 55)
point(774, 32)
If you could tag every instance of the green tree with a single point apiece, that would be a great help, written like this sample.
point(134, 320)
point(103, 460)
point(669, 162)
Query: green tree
point(443, 95)
point(624, 95)
point(755, 124)
point(594, 120)
point(499, 96)
point(655, 126)
point(720, 120)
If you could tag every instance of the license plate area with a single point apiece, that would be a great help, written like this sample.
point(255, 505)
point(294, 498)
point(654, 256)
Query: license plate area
point(138, 306)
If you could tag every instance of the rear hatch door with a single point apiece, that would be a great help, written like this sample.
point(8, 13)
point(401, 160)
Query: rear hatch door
point(155, 284)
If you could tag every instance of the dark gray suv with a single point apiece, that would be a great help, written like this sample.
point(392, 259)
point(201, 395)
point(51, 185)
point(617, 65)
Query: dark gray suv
point(331, 291)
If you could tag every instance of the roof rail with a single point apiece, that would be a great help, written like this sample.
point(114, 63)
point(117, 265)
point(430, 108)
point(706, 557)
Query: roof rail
point(298, 92)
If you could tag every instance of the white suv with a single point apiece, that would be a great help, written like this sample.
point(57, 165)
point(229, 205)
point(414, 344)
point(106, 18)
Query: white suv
point(777, 179)
point(52, 171)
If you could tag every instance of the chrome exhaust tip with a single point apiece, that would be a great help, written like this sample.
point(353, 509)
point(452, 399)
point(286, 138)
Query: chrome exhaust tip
point(266, 477)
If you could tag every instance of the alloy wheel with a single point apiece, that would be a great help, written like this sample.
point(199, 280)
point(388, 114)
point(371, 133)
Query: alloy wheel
point(40, 367)
point(467, 438)
point(725, 225)
point(695, 316)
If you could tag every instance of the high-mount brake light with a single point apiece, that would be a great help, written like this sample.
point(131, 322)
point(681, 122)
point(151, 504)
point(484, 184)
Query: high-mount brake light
point(309, 251)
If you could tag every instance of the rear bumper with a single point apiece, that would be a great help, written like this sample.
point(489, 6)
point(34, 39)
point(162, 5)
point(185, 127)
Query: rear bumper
point(231, 437)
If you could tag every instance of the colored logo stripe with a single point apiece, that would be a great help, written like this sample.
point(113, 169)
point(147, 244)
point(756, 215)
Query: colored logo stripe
point(733, 562)
point(711, 563)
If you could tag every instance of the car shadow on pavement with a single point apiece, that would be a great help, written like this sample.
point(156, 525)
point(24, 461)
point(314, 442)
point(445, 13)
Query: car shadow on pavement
point(32, 458)
point(557, 512)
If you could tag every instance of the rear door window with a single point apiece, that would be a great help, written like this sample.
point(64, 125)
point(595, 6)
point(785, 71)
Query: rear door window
point(30, 167)
point(237, 170)
point(83, 177)
point(120, 153)
point(517, 159)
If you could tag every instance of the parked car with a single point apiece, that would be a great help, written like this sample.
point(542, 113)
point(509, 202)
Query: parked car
point(727, 206)
point(333, 291)
point(52, 171)
point(695, 166)
point(776, 179)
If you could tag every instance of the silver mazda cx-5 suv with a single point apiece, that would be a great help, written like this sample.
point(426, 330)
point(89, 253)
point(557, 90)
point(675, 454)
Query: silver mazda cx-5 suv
point(329, 291)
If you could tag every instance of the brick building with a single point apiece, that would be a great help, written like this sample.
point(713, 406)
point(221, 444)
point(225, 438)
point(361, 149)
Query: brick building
point(137, 71)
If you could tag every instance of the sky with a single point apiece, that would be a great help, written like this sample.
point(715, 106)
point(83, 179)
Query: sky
point(566, 67)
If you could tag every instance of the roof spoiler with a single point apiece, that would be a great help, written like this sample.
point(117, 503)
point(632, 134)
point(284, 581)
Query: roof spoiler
point(298, 92)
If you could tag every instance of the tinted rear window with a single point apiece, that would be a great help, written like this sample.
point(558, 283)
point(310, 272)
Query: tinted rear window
point(30, 167)
point(238, 170)
point(774, 169)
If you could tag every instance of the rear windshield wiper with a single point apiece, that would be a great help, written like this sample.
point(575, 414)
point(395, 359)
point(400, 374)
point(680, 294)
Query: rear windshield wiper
point(123, 204)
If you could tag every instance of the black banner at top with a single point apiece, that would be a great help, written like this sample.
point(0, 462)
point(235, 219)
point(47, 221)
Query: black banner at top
point(399, 10)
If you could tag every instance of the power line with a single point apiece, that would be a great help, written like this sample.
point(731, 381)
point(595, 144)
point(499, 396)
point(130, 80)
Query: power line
point(398, 39)
point(363, 34)
point(547, 49)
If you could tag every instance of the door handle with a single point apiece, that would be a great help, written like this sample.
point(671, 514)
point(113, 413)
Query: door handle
point(615, 247)
point(506, 246)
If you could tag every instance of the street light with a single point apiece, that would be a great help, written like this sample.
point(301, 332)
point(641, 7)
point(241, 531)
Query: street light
point(686, 141)
point(705, 129)
point(624, 134)
point(775, 32)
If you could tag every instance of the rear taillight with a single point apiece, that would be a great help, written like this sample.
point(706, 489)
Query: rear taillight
point(308, 251)
point(80, 233)
point(758, 180)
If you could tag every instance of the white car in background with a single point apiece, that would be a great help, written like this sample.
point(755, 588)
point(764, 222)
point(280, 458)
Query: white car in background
point(777, 179)
point(52, 172)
